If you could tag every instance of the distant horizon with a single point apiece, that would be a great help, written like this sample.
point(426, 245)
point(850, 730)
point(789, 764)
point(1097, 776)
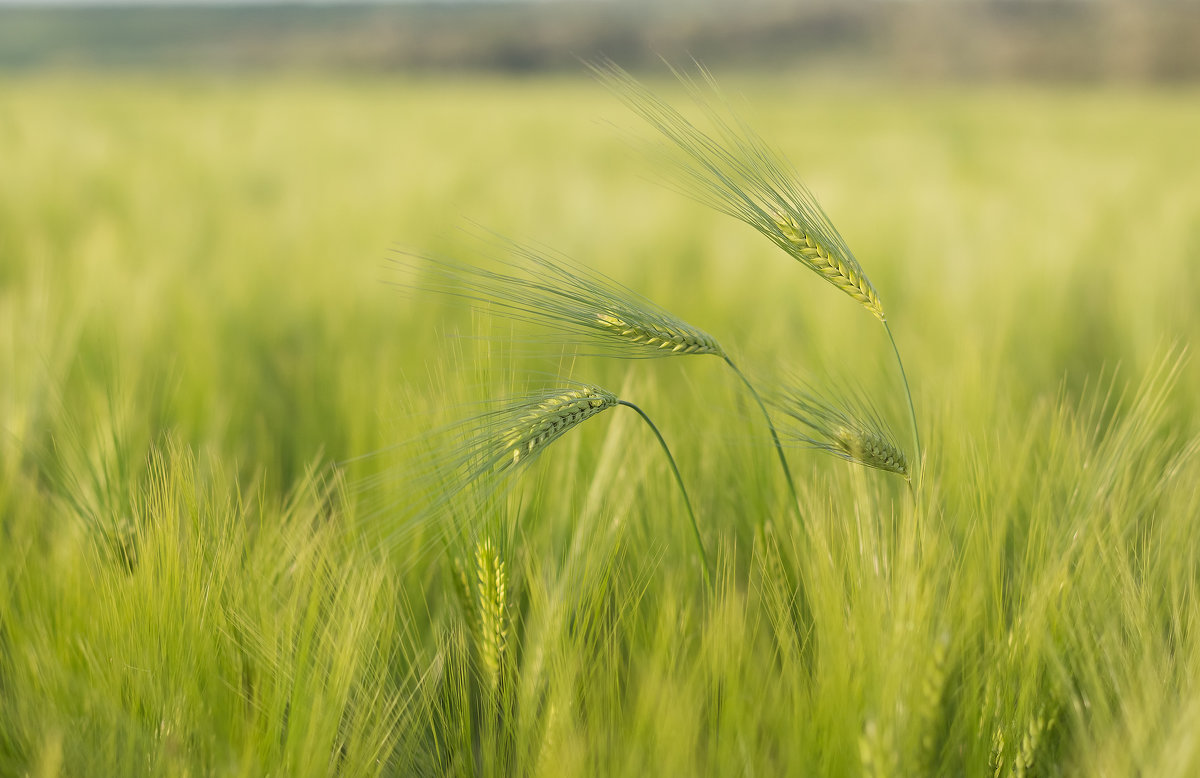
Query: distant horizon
point(926, 40)
point(200, 3)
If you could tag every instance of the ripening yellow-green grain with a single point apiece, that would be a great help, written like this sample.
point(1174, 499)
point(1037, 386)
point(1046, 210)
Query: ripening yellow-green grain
point(203, 351)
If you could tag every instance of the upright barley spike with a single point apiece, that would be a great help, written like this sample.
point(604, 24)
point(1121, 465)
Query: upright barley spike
point(1026, 760)
point(492, 611)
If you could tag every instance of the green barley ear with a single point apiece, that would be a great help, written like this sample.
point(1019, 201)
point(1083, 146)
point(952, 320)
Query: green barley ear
point(472, 458)
point(858, 443)
point(492, 611)
point(664, 339)
point(734, 171)
point(849, 428)
point(1026, 760)
point(482, 451)
point(877, 751)
point(550, 418)
point(546, 419)
point(578, 306)
point(996, 754)
point(928, 714)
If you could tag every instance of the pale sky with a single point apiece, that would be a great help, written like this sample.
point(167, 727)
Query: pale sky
point(193, 3)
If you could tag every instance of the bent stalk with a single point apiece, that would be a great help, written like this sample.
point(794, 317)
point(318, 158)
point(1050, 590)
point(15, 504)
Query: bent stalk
point(708, 577)
point(912, 413)
point(787, 473)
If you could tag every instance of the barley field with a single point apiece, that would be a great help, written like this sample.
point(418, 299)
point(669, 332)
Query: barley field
point(234, 539)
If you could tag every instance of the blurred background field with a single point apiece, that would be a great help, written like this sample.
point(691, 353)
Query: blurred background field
point(197, 206)
point(1084, 40)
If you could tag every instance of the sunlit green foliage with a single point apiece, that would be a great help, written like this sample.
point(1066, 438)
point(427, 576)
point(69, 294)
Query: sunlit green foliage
point(195, 325)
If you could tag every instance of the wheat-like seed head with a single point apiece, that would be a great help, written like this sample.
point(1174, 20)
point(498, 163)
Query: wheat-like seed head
point(575, 305)
point(492, 610)
point(850, 429)
point(877, 750)
point(928, 715)
point(660, 336)
point(847, 276)
point(734, 171)
point(473, 456)
point(549, 419)
point(996, 754)
point(871, 449)
point(1026, 759)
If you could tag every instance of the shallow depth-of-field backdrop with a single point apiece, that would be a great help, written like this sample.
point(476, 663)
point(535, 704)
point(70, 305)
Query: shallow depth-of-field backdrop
point(197, 326)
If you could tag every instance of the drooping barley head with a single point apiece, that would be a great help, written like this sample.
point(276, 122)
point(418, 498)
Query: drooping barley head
point(448, 475)
point(668, 339)
point(574, 305)
point(734, 171)
point(850, 429)
point(548, 419)
point(870, 448)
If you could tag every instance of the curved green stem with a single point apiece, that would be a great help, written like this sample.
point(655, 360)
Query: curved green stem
point(679, 480)
point(771, 426)
point(911, 411)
